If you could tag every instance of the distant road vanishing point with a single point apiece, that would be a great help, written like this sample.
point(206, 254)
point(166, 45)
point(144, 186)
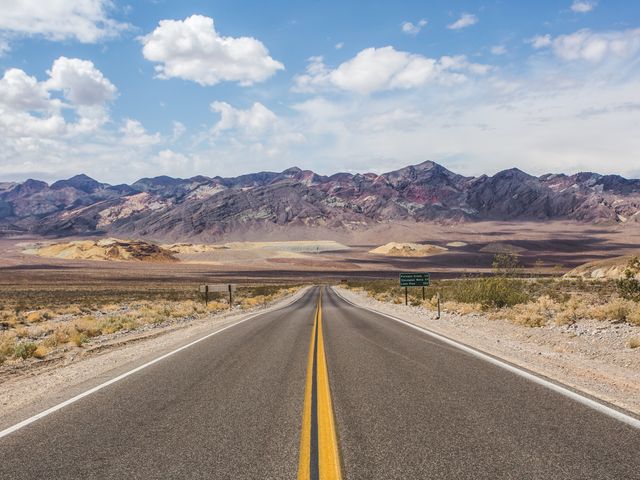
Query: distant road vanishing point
point(322, 389)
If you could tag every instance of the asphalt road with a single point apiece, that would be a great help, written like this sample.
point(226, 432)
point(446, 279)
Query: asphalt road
point(405, 406)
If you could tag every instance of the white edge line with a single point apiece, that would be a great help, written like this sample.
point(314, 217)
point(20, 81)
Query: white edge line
point(612, 412)
point(80, 396)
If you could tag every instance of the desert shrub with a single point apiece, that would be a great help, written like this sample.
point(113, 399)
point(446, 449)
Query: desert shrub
point(534, 314)
point(506, 264)
point(41, 352)
point(69, 310)
point(569, 312)
point(216, 306)
point(616, 310)
point(38, 316)
point(7, 344)
point(58, 337)
point(8, 318)
point(629, 285)
point(78, 338)
point(458, 307)
point(634, 315)
point(87, 326)
point(25, 350)
point(21, 332)
point(491, 292)
point(117, 323)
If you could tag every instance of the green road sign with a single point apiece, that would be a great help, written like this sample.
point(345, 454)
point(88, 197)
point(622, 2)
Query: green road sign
point(415, 279)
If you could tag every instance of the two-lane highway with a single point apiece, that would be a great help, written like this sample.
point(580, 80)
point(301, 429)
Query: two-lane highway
point(323, 389)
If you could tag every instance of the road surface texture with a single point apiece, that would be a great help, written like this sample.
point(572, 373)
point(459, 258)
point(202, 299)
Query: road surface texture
point(254, 402)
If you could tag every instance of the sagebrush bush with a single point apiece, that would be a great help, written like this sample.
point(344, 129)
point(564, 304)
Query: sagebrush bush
point(25, 350)
point(616, 310)
point(629, 285)
point(491, 292)
point(41, 352)
point(570, 312)
point(460, 308)
point(534, 314)
point(39, 316)
point(634, 315)
point(7, 344)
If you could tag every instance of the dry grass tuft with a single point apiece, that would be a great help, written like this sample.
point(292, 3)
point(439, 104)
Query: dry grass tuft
point(534, 314)
point(39, 316)
point(616, 310)
point(41, 352)
point(458, 307)
point(634, 342)
point(570, 312)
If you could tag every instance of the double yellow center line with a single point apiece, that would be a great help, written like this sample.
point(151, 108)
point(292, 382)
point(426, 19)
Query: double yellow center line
point(319, 458)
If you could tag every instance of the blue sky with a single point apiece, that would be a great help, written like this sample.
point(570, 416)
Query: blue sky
point(122, 90)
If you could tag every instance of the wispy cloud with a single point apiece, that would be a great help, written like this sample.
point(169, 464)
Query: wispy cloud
point(466, 20)
point(411, 28)
point(583, 6)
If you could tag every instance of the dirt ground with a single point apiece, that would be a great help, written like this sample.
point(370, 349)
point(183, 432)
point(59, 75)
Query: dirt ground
point(551, 248)
point(591, 356)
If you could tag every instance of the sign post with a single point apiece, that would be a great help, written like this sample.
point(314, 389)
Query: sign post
point(228, 288)
point(414, 279)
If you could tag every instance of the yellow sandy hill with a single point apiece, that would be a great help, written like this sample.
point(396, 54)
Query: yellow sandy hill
point(108, 249)
point(395, 249)
point(609, 269)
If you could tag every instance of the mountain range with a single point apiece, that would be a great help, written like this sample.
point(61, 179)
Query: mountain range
point(211, 208)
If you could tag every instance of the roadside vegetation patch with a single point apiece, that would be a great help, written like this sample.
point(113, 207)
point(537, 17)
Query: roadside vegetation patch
point(38, 321)
point(511, 294)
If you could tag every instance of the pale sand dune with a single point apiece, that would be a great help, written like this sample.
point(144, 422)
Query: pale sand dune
point(252, 252)
point(395, 249)
point(107, 249)
point(298, 246)
point(497, 247)
point(608, 269)
point(457, 244)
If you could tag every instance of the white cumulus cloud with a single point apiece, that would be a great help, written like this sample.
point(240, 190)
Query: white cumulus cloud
point(593, 47)
point(87, 21)
point(378, 69)
point(583, 6)
point(81, 82)
point(27, 104)
point(19, 91)
point(192, 49)
point(134, 134)
point(465, 20)
point(413, 28)
point(253, 121)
